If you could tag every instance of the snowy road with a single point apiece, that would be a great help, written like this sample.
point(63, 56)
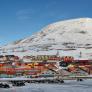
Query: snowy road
point(68, 86)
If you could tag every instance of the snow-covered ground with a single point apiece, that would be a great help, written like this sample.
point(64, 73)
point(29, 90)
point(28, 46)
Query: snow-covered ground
point(85, 53)
point(68, 86)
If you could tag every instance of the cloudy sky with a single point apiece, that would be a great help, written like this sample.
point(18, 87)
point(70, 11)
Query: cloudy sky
point(22, 18)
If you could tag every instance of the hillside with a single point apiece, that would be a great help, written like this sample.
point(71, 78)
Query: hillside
point(69, 34)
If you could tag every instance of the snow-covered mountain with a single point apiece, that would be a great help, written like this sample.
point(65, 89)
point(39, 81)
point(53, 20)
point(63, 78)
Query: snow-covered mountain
point(68, 34)
point(70, 31)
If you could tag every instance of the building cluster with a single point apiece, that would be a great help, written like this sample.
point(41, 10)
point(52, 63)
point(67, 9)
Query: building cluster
point(39, 66)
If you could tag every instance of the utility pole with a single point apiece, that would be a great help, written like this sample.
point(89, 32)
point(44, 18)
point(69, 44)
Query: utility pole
point(80, 54)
